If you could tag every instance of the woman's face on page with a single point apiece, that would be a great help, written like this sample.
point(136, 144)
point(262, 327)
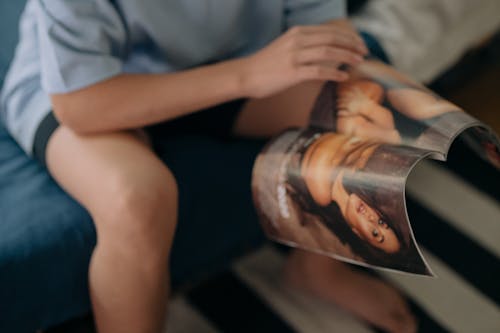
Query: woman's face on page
point(368, 225)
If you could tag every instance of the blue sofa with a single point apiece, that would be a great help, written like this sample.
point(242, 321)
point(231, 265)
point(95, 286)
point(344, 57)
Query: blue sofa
point(46, 238)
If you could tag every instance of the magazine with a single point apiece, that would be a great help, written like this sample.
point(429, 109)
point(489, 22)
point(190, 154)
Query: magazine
point(337, 187)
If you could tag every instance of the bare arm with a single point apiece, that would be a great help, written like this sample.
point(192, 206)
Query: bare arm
point(136, 100)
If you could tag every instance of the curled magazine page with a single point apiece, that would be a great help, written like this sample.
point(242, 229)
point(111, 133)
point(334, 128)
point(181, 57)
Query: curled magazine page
point(380, 103)
point(340, 196)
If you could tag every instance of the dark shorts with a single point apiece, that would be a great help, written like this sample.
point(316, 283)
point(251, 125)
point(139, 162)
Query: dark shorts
point(217, 121)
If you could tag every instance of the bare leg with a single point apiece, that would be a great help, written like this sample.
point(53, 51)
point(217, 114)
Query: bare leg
point(132, 198)
point(367, 297)
point(268, 116)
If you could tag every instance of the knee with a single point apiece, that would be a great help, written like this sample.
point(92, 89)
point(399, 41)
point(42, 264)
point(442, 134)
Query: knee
point(148, 199)
point(142, 212)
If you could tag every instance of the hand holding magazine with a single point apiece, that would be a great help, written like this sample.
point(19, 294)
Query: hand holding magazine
point(337, 187)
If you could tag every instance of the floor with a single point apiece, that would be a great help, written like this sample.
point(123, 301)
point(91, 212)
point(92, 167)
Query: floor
point(457, 227)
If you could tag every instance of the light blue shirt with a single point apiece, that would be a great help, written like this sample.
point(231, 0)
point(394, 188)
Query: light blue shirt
point(66, 45)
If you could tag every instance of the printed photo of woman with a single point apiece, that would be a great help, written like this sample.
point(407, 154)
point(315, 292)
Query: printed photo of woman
point(338, 187)
point(339, 193)
point(380, 103)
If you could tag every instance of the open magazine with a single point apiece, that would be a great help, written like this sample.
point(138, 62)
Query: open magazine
point(337, 187)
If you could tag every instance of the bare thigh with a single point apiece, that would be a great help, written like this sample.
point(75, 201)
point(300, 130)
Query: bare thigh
point(113, 175)
point(266, 117)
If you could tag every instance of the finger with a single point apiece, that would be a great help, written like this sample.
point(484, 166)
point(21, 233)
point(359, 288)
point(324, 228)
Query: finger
point(342, 38)
point(327, 54)
point(329, 28)
point(321, 72)
point(344, 41)
point(343, 23)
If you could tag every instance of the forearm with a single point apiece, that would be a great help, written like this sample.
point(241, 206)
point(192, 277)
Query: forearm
point(136, 100)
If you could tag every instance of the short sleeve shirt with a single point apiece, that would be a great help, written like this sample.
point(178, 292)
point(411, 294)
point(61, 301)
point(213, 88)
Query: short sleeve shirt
point(66, 45)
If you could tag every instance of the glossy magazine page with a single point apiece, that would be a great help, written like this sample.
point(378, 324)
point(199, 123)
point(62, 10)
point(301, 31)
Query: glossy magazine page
point(338, 187)
point(379, 103)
